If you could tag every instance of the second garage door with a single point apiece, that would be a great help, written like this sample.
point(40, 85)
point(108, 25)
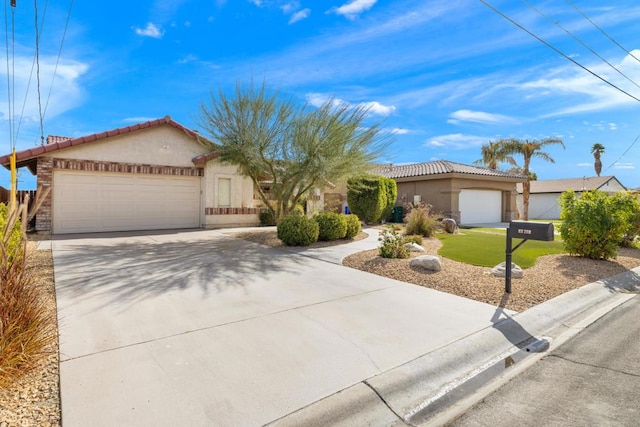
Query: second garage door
point(480, 206)
point(93, 202)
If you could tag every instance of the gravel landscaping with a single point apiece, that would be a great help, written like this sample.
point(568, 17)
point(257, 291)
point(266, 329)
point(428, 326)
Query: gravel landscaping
point(35, 399)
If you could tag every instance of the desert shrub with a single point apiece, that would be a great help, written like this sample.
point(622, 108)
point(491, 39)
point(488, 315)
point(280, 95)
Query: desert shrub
point(332, 226)
point(414, 238)
point(353, 226)
point(26, 327)
point(594, 225)
point(298, 230)
point(629, 238)
point(267, 218)
point(392, 195)
point(420, 222)
point(392, 244)
point(298, 210)
point(368, 198)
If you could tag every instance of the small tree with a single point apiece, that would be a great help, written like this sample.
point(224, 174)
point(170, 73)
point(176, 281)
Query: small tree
point(596, 224)
point(392, 196)
point(368, 197)
point(297, 149)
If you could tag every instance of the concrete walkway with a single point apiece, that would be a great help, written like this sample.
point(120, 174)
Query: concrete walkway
point(200, 328)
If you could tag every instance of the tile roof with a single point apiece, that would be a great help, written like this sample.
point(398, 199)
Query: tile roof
point(439, 167)
point(561, 185)
point(58, 143)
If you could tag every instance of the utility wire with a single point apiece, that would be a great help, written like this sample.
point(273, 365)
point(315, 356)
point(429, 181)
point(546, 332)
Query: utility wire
point(556, 23)
point(55, 70)
point(602, 31)
point(549, 45)
point(35, 5)
point(33, 66)
point(623, 154)
point(6, 38)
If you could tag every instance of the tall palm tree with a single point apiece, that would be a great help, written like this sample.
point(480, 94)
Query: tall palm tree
point(528, 150)
point(492, 154)
point(597, 149)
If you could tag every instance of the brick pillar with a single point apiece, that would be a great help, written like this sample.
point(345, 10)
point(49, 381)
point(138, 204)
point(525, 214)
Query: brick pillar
point(45, 179)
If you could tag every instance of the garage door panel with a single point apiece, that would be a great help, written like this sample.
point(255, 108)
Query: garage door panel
point(88, 201)
point(480, 206)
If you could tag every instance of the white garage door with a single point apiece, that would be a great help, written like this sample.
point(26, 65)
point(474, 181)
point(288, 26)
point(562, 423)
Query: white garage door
point(480, 206)
point(90, 201)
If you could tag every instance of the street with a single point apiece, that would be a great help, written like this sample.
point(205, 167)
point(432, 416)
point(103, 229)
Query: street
point(592, 380)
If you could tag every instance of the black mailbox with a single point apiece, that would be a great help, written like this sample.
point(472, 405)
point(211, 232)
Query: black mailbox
point(531, 230)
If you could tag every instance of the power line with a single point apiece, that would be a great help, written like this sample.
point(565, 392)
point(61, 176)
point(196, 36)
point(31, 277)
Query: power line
point(602, 31)
point(556, 23)
point(623, 154)
point(549, 45)
point(55, 70)
point(35, 5)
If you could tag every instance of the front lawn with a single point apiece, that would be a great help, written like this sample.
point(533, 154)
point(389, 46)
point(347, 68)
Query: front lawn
point(488, 249)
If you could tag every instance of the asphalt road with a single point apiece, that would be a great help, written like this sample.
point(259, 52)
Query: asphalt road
point(592, 380)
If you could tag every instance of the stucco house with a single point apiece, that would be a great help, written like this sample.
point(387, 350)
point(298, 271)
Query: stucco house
point(545, 194)
point(468, 194)
point(153, 175)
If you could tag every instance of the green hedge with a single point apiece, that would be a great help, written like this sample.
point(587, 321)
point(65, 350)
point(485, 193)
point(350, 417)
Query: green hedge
point(371, 197)
point(298, 230)
point(332, 226)
point(353, 226)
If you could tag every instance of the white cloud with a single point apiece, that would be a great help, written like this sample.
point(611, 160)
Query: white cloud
point(300, 15)
point(478, 117)
point(151, 30)
point(374, 107)
point(354, 8)
point(623, 166)
point(584, 165)
point(399, 131)
point(138, 119)
point(456, 141)
point(290, 7)
point(256, 2)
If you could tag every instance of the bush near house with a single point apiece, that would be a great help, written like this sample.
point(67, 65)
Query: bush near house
point(332, 226)
point(266, 218)
point(298, 230)
point(596, 224)
point(371, 197)
point(420, 222)
point(353, 226)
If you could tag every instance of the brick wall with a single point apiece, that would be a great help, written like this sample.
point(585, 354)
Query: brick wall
point(231, 211)
point(45, 177)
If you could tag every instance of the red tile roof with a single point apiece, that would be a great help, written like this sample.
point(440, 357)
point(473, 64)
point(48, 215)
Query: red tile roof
point(59, 143)
point(440, 167)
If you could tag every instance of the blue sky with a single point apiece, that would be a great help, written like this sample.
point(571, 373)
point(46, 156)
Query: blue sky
point(444, 76)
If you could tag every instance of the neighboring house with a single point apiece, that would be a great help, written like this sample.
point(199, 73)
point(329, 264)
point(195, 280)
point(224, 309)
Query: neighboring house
point(545, 194)
point(468, 194)
point(152, 175)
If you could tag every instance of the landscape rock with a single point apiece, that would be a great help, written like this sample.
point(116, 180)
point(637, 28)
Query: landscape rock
point(450, 225)
point(500, 270)
point(428, 262)
point(414, 247)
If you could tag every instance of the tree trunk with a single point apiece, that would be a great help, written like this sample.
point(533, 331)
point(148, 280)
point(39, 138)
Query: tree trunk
point(597, 165)
point(526, 188)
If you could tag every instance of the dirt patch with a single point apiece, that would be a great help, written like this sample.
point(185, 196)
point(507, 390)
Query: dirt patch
point(552, 275)
point(35, 399)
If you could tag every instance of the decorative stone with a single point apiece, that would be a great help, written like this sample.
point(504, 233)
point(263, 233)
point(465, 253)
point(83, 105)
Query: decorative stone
point(450, 225)
point(500, 270)
point(428, 262)
point(414, 247)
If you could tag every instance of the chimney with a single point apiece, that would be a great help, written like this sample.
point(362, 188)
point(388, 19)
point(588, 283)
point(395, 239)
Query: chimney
point(52, 139)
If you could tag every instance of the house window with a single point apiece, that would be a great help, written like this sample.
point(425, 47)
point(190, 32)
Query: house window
point(224, 192)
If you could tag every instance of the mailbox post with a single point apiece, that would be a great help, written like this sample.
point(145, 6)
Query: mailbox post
point(527, 231)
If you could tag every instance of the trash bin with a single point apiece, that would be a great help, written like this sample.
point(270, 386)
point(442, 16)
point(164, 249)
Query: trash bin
point(396, 215)
point(346, 210)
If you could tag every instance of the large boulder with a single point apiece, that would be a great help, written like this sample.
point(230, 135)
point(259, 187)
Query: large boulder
point(450, 226)
point(428, 262)
point(414, 247)
point(500, 270)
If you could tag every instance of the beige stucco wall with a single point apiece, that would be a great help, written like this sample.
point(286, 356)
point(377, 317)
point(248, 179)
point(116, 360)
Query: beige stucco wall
point(222, 221)
point(241, 186)
point(443, 194)
point(161, 145)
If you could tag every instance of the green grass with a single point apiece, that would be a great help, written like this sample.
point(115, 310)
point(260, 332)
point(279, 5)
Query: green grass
point(488, 249)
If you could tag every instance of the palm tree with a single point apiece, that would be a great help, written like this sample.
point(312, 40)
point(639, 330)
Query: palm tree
point(597, 149)
point(492, 154)
point(528, 150)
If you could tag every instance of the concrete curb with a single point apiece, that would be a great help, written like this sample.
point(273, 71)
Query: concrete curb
point(408, 389)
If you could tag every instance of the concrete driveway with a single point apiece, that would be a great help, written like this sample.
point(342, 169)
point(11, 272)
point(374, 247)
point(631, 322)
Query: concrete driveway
point(200, 328)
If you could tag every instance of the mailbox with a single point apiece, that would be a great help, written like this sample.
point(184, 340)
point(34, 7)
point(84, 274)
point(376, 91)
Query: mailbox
point(531, 230)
